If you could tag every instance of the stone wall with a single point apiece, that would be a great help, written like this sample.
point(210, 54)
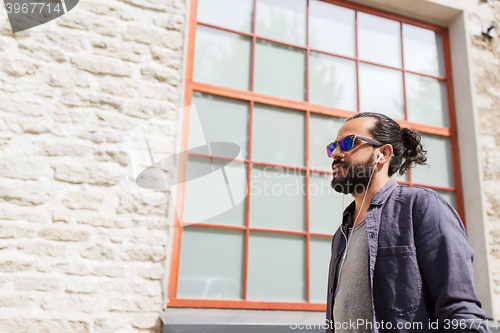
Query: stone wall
point(82, 248)
point(485, 59)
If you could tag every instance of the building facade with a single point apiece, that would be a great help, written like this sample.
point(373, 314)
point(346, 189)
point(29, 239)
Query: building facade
point(89, 244)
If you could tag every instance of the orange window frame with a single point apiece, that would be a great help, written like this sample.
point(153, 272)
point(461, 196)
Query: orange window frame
point(308, 108)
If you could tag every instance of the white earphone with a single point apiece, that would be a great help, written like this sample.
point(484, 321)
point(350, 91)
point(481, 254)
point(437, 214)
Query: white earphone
point(379, 157)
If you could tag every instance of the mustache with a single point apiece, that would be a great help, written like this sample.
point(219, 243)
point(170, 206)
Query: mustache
point(336, 162)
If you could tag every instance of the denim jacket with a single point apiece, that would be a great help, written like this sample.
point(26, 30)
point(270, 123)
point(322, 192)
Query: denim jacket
point(420, 264)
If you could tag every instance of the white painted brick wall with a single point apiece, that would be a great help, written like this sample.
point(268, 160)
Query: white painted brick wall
point(82, 248)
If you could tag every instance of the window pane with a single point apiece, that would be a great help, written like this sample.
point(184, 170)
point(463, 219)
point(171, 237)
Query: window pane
point(332, 28)
point(282, 20)
point(215, 192)
point(222, 120)
point(332, 82)
point(278, 135)
point(322, 130)
point(423, 50)
point(277, 199)
point(207, 268)
point(397, 177)
point(325, 205)
point(319, 261)
point(440, 169)
point(381, 90)
point(379, 40)
point(449, 196)
point(231, 14)
point(276, 267)
point(427, 100)
point(222, 58)
point(279, 70)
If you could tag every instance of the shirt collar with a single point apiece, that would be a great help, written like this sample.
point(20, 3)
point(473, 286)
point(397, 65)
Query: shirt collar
point(378, 199)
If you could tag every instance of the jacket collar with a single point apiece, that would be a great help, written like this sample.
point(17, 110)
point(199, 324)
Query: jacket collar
point(379, 198)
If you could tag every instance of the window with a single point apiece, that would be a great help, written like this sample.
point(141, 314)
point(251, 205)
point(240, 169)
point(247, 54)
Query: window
point(278, 78)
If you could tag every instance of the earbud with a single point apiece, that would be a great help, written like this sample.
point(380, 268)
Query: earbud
point(379, 157)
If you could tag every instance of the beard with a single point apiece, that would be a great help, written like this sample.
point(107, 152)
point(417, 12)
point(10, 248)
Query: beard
point(354, 179)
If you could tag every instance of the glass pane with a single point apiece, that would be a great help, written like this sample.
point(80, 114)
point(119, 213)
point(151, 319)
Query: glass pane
point(222, 120)
point(222, 58)
point(322, 130)
point(423, 50)
point(427, 100)
point(381, 90)
point(332, 82)
point(215, 192)
point(231, 14)
point(277, 198)
point(379, 40)
point(319, 261)
point(276, 267)
point(332, 28)
point(449, 196)
point(282, 20)
point(397, 177)
point(280, 70)
point(439, 157)
point(325, 205)
point(211, 263)
point(278, 135)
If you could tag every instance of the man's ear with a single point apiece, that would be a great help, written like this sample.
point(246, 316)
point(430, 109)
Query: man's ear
point(386, 151)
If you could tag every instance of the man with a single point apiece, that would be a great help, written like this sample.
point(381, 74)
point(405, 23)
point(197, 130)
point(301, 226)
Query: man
point(400, 260)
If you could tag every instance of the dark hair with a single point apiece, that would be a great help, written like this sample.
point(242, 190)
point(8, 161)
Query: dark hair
point(407, 149)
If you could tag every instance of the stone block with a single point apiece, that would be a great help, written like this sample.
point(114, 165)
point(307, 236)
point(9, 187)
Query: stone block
point(24, 193)
point(104, 102)
point(71, 173)
point(161, 74)
point(167, 57)
point(83, 200)
point(112, 155)
point(135, 304)
point(147, 321)
point(154, 36)
point(22, 167)
point(147, 288)
point(67, 77)
point(120, 87)
point(19, 66)
point(114, 120)
point(102, 222)
point(37, 284)
point(42, 52)
point(44, 249)
point(143, 202)
point(98, 252)
point(65, 149)
point(109, 271)
point(101, 66)
point(13, 302)
point(142, 253)
point(19, 107)
point(91, 285)
point(11, 266)
point(108, 9)
point(169, 21)
point(70, 268)
point(64, 235)
point(89, 22)
point(119, 50)
point(146, 109)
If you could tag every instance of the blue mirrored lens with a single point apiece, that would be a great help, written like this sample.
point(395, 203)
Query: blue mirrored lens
point(331, 148)
point(346, 143)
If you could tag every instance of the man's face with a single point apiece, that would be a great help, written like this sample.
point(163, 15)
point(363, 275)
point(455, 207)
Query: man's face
point(352, 169)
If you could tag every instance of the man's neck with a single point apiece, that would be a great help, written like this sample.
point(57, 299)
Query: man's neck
point(378, 181)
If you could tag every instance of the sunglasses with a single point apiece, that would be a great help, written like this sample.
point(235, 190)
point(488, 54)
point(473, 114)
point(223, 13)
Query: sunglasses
point(347, 143)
